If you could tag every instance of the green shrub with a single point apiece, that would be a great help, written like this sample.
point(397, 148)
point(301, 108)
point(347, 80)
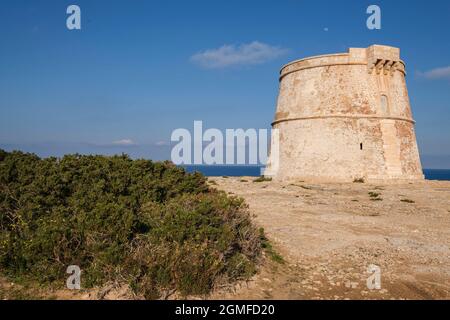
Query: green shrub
point(148, 223)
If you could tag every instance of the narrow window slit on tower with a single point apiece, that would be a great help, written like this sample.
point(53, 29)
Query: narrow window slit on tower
point(384, 104)
point(360, 146)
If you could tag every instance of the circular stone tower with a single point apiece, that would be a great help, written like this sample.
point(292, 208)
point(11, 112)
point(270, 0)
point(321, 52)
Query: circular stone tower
point(343, 117)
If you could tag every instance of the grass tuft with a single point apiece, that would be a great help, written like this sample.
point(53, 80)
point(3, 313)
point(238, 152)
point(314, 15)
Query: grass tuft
point(262, 179)
point(375, 196)
point(268, 248)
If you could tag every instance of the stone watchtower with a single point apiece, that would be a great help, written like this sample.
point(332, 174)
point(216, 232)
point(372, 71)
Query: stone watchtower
point(342, 117)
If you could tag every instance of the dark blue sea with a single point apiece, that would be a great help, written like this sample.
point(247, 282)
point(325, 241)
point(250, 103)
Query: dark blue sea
point(437, 174)
point(229, 171)
point(255, 171)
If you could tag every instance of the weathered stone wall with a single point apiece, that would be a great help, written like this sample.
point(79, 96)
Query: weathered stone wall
point(345, 116)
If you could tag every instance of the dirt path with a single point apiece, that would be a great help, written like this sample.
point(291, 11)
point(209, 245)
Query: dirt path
point(331, 233)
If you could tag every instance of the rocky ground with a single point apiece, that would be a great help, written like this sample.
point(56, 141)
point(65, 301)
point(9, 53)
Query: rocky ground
point(329, 234)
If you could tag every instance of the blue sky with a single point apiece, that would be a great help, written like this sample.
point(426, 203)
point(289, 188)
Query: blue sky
point(139, 69)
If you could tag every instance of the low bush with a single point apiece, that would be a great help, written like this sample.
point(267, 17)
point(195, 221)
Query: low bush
point(147, 223)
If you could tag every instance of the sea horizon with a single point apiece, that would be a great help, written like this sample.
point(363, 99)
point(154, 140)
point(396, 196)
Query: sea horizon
point(255, 171)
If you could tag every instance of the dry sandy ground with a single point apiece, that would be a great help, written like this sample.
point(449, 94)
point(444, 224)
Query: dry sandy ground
point(330, 233)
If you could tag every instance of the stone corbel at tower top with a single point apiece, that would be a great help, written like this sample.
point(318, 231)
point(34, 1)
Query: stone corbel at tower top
point(397, 66)
point(388, 67)
point(380, 65)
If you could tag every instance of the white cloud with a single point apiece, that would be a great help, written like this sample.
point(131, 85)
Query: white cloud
point(124, 142)
point(162, 143)
point(244, 54)
point(438, 73)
